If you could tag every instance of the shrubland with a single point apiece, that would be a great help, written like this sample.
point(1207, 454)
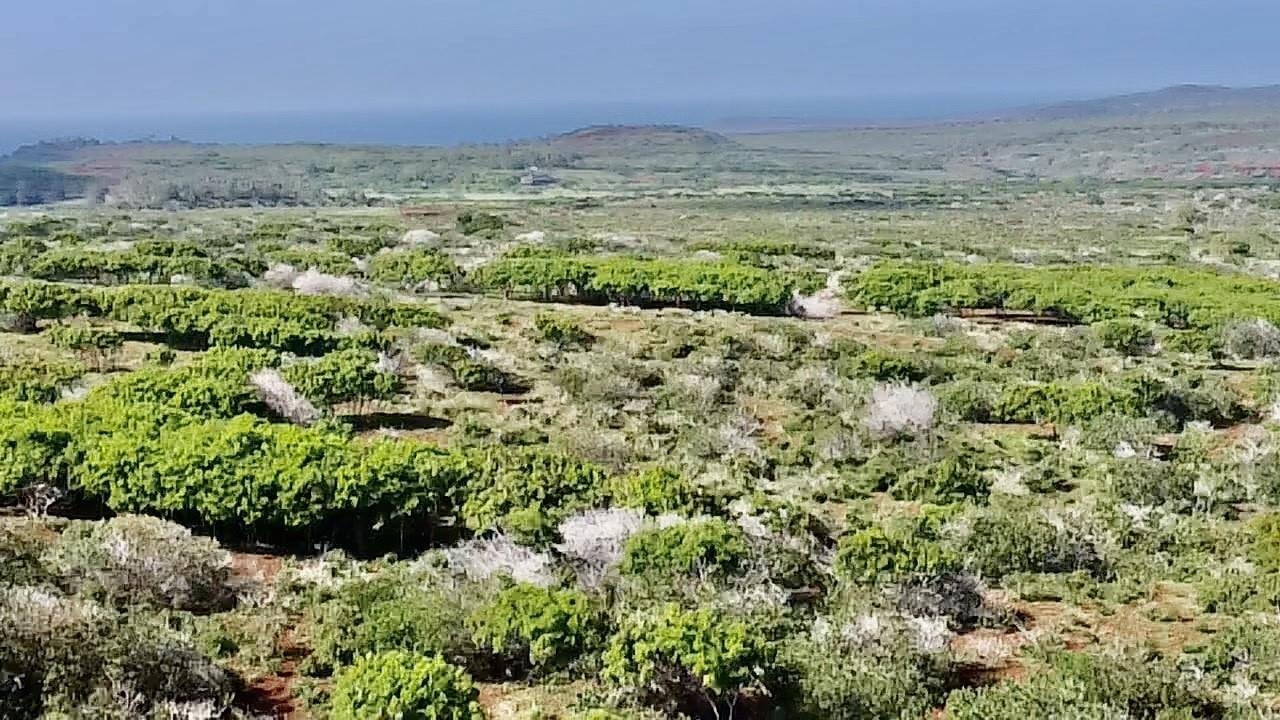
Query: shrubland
point(583, 457)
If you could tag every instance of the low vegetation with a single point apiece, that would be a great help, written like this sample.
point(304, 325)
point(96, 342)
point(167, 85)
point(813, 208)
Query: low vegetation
point(960, 449)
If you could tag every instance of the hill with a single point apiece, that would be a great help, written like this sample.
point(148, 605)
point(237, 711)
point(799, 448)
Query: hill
point(600, 137)
point(1175, 100)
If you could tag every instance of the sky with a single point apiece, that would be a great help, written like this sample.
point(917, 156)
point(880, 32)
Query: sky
point(64, 58)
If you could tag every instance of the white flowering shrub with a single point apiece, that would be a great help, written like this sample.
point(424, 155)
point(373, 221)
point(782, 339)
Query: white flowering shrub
point(282, 398)
point(897, 410)
point(280, 275)
point(69, 657)
point(1251, 339)
point(499, 556)
point(826, 303)
point(420, 237)
point(314, 282)
point(593, 540)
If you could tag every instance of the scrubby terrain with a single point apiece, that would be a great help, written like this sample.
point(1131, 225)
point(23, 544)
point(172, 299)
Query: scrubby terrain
point(963, 446)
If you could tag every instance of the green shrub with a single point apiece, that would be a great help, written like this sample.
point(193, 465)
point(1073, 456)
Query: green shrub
point(1083, 686)
point(391, 612)
point(469, 372)
point(480, 223)
point(956, 478)
point(1176, 297)
point(658, 491)
point(884, 675)
point(401, 686)
point(879, 554)
point(562, 331)
point(1193, 342)
point(344, 376)
point(1018, 537)
point(95, 346)
point(541, 628)
point(711, 545)
point(635, 281)
point(30, 379)
point(1127, 337)
point(1265, 550)
point(889, 366)
point(413, 268)
point(972, 401)
point(688, 660)
point(528, 492)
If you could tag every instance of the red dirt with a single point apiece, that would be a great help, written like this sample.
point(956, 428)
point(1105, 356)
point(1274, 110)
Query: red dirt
point(256, 567)
point(273, 695)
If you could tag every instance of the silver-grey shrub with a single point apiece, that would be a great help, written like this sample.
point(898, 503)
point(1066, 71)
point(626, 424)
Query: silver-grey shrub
point(139, 560)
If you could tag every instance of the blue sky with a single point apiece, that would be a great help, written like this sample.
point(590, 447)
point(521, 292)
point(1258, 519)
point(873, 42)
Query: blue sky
point(72, 57)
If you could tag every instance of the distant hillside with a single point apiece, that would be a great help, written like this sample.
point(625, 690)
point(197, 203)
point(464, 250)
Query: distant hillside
point(597, 137)
point(1176, 100)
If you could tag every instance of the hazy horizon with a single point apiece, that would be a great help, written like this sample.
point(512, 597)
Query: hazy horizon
point(492, 123)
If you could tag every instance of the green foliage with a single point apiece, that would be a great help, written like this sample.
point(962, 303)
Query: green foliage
point(883, 675)
point(399, 686)
point(972, 401)
point(712, 545)
point(879, 554)
point(1127, 337)
point(31, 379)
point(214, 385)
point(543, 628)
point(957, 477)
point(469, 372)
point(753, 250)
point(1080, 686)
point(658, 491)
point(633, 281)
point(146, 262)
point(343, 376)
point(562, 331)
point(28, 302)
point(394, 611)
point(480, 223)
point(527, 492)
point(285, 321)
point(96, 345)
point(412, 268)
point(888, 366)
point(1176, 297)
point(1183, 399)
point(1265, 550)
point(673, 658)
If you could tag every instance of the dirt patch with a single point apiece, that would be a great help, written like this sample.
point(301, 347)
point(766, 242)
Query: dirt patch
point(273, 695)
point(255, 567)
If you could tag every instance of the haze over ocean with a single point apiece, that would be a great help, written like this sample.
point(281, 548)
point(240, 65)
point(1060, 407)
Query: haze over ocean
point(489, 124)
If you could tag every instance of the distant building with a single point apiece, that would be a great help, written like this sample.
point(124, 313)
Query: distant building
point(533, 177)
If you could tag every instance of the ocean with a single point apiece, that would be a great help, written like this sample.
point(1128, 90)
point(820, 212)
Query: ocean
point(475, 125)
